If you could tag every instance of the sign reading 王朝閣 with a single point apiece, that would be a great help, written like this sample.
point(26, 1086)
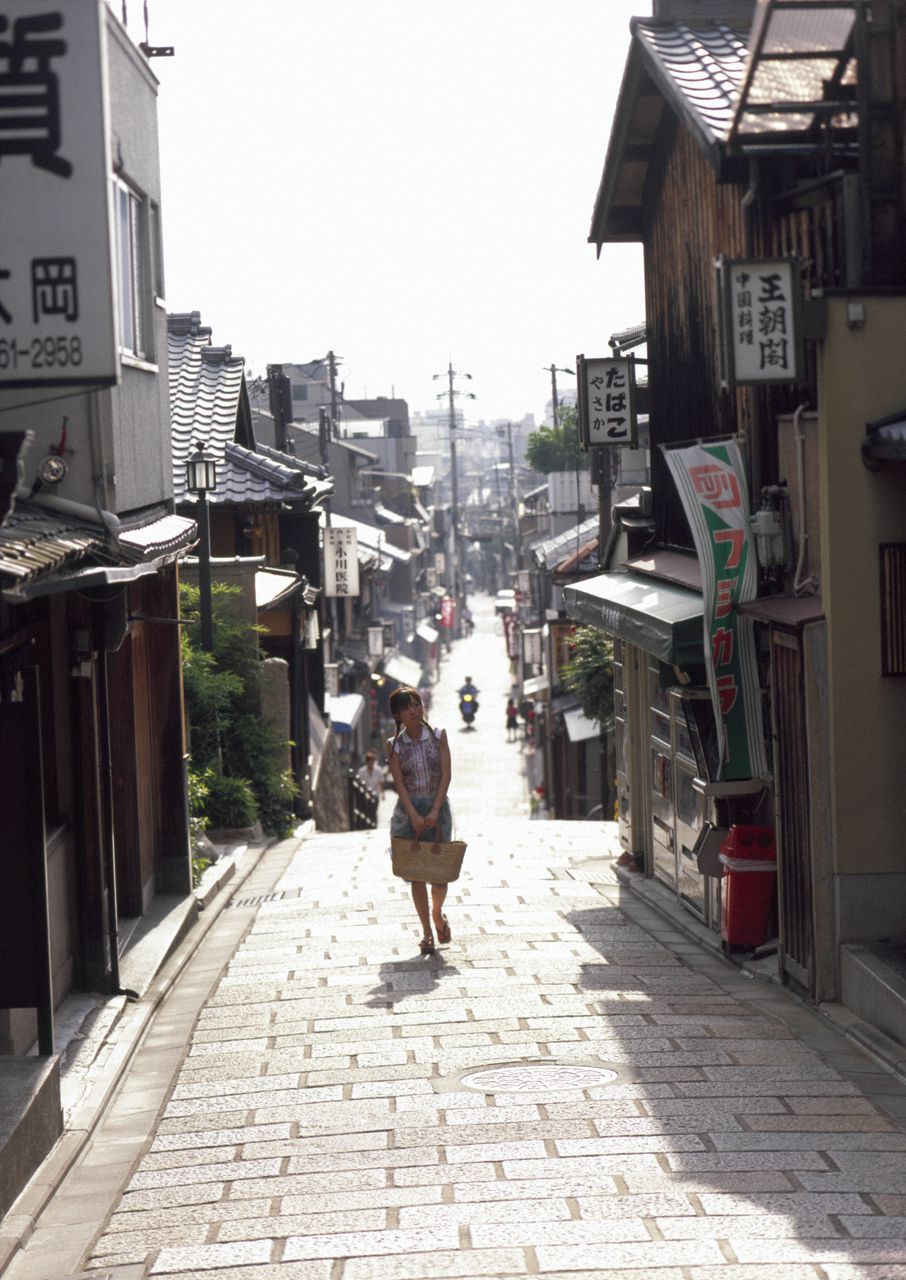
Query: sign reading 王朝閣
point(711, 483)
point(759, 318)
point(57, 322)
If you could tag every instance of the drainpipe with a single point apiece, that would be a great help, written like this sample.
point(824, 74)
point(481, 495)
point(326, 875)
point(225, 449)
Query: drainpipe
point(801, 586)
point(78, 510)
point(749, 207)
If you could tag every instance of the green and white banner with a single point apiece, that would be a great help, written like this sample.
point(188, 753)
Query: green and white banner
point(711, 483)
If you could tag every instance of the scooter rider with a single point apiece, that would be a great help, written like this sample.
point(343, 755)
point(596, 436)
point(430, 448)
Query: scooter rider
point(468, 701)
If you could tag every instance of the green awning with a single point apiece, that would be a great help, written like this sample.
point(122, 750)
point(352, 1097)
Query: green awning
point(663, 619)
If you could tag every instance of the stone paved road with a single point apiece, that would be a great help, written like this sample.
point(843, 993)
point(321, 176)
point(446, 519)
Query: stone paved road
point(323, 1124)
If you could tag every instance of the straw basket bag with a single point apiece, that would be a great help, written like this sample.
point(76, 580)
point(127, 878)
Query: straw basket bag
point(437, 863)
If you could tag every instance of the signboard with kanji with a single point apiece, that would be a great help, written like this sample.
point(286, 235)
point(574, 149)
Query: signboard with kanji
point(759, 320)
point(341, 562)
point(711, 483)
point(607, 414)
point(532, 651)
point(376, 641)
point(57, 323)
point(447, 611)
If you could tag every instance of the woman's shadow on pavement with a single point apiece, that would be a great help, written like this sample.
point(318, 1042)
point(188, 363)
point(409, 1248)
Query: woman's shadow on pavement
point(415, 976)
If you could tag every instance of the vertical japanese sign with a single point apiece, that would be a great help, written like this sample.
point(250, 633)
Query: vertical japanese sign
point(376, 641)
point(56, 262)
point(532, 651)
point(606, 406)
point(511, 633)
point(759, 315)
point(711, 483)
point(447, 610)
point(341, 562)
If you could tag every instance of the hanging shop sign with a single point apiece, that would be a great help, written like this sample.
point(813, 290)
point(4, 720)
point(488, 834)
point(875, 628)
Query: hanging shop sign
point(531, 646)
point(440, 563)
point(759, 304)
point(57, 323)
point(309, 629)
point(606, 406)
point(376, 641)
point(331, 679)
point(712, 486)
point(511, 632)
point(447, 610)
point(341, 562)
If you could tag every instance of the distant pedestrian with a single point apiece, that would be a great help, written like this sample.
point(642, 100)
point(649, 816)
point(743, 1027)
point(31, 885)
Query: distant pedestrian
point(371, 774)
point(512, 720)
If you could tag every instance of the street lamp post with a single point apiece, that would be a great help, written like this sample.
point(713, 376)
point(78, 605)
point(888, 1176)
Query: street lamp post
point(553, 370)
point(201, 479)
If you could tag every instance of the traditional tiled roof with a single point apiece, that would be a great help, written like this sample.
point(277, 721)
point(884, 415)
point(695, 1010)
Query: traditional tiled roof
point(206, 398)
point(35, 542)
point(549, 552)
point(156, 538)
point(699, 67)
point(37, 545)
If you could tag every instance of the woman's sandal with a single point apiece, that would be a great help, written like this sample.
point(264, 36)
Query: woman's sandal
point(426, 946)
point(443, 933)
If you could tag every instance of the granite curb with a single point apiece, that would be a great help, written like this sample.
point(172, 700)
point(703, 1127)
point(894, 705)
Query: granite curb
point(130, 1022)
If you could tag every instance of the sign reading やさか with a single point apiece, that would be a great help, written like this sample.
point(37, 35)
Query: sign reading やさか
point(711, 482)
point(56, 263)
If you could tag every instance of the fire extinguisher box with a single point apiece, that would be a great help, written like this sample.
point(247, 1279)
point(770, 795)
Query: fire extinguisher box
point(748, 856)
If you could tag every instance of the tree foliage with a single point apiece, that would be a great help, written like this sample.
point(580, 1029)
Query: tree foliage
point(589, 674)
point(556, 448)
point(228, 737)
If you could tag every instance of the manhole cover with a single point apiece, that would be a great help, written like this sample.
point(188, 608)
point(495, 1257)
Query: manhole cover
point(535, 1078)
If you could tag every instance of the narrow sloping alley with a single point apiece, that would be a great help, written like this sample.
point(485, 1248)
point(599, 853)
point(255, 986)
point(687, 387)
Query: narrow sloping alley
point(572, 1086)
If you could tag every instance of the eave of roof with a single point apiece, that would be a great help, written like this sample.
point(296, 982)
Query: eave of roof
point(693, 69)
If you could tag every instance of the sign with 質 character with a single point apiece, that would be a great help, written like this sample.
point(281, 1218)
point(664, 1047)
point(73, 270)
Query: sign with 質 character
point(57, 325)
point(341, 562)
point(606, 406)
point(712, 486)
point(760, 331)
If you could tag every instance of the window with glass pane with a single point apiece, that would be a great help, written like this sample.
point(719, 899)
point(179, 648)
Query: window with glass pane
point(129, 259)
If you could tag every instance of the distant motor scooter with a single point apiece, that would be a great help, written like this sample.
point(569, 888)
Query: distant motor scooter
point(468, 706)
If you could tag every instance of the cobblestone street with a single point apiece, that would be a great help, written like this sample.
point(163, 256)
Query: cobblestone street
point(572, 1086)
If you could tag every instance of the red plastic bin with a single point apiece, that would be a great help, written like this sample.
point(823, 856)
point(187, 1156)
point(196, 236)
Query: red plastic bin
point(749, 858)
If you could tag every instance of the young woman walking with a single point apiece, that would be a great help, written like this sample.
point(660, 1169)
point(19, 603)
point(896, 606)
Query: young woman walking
point(420, 766)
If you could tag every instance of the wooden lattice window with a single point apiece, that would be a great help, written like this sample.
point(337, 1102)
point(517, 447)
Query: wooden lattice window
point(893, 608)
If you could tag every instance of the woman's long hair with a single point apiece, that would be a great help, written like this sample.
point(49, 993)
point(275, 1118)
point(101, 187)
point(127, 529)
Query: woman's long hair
point(400, 699)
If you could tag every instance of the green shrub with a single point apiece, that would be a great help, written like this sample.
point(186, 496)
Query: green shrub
point(230, 802)
point(236, 753)
point(275, 805)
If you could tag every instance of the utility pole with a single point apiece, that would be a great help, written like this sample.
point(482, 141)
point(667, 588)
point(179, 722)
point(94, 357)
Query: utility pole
point(452, 393)
point(332, 376)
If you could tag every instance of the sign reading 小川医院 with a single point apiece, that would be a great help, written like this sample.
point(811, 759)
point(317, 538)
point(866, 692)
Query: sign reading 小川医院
point(57, 322)
point(341, 562)
point(711, 483)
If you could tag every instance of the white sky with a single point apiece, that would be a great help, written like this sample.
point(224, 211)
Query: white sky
point(407, 182)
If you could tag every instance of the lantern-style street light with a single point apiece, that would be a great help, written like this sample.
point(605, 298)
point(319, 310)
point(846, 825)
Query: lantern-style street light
point(201, 478)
